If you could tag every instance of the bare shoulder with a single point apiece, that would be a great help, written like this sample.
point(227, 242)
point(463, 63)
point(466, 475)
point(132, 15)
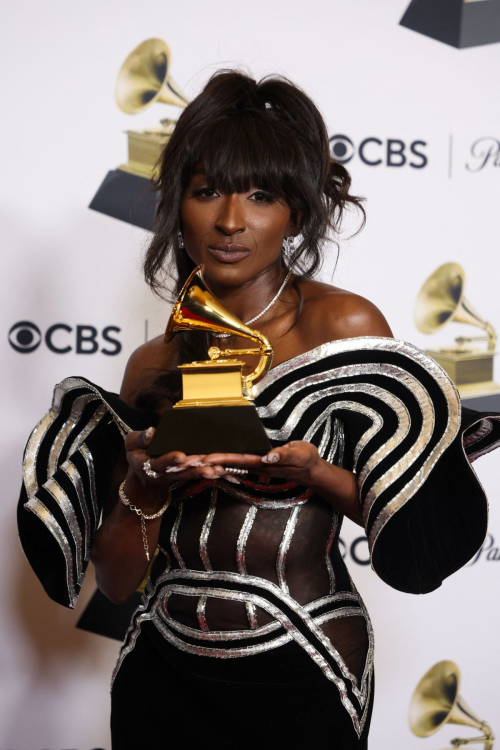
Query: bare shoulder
point(144, 366)
point(337, 313)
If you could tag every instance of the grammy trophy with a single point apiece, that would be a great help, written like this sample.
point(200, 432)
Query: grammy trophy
point(215, 413)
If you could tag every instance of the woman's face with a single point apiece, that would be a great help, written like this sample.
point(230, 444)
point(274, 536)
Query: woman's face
point(237, 236)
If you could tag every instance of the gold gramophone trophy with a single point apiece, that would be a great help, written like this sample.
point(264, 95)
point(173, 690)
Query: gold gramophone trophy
point(144, 78)
point(436, 702)
point(440, 301)
point(215, 413)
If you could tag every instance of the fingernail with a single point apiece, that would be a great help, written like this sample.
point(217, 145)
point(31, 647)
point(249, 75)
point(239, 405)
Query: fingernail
point(148, 434)
point(172, 469)
point(187, 465)
point(231, 479)
point(271, 458)
point(206, 476)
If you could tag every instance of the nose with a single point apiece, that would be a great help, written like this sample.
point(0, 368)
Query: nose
point(231, 216)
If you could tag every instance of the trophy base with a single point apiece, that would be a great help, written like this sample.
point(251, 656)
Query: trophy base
point(126, 197)
point(211, 429)
point(465, 368)
point(144, 150)
point(460, 23)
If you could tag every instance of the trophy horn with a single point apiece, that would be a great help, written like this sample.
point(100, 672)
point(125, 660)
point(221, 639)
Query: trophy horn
point(144, 78)
point(441, 300)
point(196, 309)
point(436, 702)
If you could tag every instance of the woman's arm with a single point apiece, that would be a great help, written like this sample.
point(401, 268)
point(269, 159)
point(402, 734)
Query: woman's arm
point(118, 552)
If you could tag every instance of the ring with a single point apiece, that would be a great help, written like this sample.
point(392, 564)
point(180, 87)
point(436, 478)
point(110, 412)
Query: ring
point(149, 471)
point(234, 470)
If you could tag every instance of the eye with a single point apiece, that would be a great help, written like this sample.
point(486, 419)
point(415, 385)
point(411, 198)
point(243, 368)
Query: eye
point(24, 337)
point(342, 148)
point(204, 192)
point(260, 196)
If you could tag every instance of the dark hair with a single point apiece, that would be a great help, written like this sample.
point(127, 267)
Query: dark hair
point(268, 133)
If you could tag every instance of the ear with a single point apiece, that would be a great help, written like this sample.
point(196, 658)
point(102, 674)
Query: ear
point(294, 223)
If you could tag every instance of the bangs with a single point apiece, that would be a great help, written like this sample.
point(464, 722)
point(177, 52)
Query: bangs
point(244, 149)
point(268, 135)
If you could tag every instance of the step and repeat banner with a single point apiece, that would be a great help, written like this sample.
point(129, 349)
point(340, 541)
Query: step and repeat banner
point(408, 94)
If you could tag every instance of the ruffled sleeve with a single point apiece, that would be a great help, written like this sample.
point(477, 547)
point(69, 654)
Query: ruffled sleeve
point(67, 466)
point(408, 440)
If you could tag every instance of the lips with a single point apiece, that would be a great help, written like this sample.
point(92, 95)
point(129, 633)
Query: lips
point(228, 252)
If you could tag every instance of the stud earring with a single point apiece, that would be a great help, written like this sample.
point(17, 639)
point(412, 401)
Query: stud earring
point(180, 241)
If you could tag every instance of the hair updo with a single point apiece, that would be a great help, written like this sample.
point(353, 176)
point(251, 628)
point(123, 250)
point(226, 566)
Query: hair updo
point(268, 133)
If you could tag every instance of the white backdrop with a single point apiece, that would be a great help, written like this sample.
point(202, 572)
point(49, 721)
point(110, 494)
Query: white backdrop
point(61, 263)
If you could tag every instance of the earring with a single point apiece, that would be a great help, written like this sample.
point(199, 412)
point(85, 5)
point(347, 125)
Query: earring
point(180, 241)
point(288, 246)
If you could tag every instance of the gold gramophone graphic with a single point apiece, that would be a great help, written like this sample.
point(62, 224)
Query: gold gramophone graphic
point(436, 702)
point(144, 79)
point(215, 413)
point(440, 301)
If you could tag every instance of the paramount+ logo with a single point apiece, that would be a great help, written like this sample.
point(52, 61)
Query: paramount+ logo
point(377, 152)
point(25, 337)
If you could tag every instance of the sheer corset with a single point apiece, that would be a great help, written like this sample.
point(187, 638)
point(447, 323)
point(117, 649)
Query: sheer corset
point(294, 547)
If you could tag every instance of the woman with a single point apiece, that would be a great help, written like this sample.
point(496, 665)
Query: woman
point(251, 630)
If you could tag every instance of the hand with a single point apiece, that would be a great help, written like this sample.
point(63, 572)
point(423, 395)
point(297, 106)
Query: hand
point(297, 460)
point(168, 466)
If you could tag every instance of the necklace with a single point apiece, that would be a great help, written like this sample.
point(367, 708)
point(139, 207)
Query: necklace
point(252, 320)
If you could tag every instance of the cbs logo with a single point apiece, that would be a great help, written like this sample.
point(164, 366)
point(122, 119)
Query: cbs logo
point(374, 152)
point(358, 550)
point(61, 338)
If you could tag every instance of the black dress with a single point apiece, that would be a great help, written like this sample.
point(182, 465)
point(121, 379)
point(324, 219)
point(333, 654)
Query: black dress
point(250, 629)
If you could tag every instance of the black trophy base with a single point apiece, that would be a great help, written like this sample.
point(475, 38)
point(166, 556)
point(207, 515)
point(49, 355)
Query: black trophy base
point(455, 22)
point(210, 429)
point(127, 197)
point(483, 403)
point(102, 617)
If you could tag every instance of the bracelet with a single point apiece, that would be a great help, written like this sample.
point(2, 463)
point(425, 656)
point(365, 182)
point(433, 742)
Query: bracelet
point(143, 516)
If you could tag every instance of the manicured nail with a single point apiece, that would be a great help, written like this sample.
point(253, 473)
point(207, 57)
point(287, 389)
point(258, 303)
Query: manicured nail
point(271, 458)
point(207, 476)
point(231, 479)
point(188, 465)
point(172, 469)
point(148, 434)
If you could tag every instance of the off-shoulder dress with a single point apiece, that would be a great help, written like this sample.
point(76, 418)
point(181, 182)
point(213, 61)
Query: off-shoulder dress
point(250, 629)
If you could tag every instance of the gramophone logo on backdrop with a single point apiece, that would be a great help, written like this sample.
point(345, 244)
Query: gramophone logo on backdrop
point(460, 23)
point(442, 300)
point(143, 79)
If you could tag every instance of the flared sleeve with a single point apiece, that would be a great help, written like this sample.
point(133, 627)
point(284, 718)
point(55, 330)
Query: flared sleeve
point(407, 438)
point(67, 466)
